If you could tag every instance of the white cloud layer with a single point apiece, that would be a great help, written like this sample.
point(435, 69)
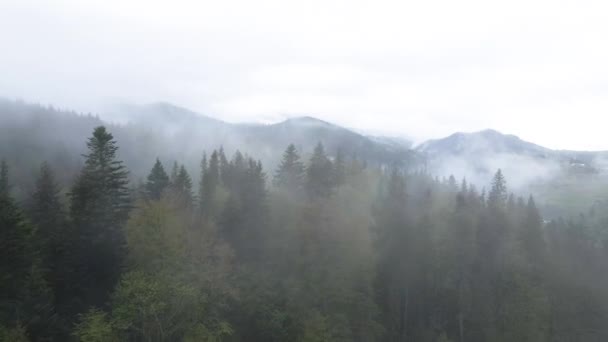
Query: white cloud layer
point(535, 68)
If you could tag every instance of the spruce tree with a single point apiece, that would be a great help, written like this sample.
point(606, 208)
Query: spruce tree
point(320, 180)
point(498, 193)
point(290, 173)
point(158, 181)
point(99, 204)
point(182, 187)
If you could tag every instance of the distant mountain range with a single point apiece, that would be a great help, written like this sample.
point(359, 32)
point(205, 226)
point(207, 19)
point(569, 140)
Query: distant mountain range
point(30, 134)
point(174, 133)
point(265, 141)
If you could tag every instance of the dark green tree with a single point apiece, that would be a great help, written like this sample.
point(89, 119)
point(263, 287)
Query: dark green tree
point(320, 176)
point(99, 205)
point(182, 187)
point(25, 299)
point(158, 181)
point(290, 174)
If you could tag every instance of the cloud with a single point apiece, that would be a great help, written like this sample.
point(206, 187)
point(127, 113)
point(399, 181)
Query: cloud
point(423, 69)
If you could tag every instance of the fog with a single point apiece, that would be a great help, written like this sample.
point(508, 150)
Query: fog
point(536, 69)
point(318, 171)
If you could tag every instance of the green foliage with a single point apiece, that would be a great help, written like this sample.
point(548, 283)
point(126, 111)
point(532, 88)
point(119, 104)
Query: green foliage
point(15, 334)
point(94, 326)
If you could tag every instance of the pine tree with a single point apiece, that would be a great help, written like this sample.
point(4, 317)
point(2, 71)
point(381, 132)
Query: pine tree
point(497, 197)
point(290, 173)
point(182, 187)
point(158, 181)
point(99, 204)
point(320, 180)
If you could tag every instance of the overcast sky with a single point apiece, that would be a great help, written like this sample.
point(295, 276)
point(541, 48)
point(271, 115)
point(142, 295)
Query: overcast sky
point(423, 69)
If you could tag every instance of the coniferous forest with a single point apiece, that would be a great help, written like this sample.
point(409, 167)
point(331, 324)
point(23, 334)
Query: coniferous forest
point(324, 247)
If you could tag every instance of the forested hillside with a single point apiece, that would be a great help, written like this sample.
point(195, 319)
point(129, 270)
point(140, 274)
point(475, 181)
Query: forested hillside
point(322, 247)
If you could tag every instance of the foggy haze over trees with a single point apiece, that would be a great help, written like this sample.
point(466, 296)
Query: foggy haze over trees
point(177, 227)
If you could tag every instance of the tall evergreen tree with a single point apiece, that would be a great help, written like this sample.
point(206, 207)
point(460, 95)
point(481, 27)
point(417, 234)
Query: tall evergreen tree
point(497, 197)
point(290, 173)
point(158, 181)
point(99, 204)
point(182, 187)
point(320, 180)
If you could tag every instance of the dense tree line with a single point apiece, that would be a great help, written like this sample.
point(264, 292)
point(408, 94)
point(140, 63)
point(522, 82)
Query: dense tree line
point(325, 249)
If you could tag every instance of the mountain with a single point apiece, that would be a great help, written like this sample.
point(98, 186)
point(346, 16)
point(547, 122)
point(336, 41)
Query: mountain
point(486, 142)
point(491, 143)
point(30, 134)
point(193, 130)
point(564, 182)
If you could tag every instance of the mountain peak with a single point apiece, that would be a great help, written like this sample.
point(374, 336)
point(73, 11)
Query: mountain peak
point(308, 120)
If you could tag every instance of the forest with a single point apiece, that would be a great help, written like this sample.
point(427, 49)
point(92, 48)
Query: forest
point(324, 247)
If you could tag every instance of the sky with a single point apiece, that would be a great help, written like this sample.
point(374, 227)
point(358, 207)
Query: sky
point(421, 69)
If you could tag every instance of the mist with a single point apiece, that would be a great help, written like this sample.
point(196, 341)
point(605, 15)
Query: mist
point(319, 171)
